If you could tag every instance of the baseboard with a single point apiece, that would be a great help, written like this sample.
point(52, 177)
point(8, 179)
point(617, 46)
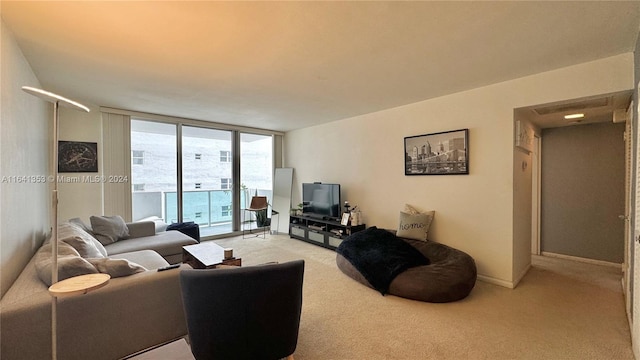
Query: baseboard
point(521, 275)
point(584, 260)
point(494, 281)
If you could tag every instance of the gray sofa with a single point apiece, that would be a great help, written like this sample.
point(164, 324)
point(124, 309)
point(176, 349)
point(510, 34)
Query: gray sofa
point(143, 236)
point(130, 314)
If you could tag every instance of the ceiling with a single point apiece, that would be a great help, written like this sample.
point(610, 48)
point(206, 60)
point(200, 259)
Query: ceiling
point(614, 107)
point(289, 65)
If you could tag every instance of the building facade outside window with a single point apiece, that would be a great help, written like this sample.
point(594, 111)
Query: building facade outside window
point(225, 184)
point(225, 156)
point(225, 211)
point(137, 157)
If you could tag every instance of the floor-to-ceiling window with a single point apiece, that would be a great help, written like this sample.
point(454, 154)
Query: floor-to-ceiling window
point(256, 169)
point(207, 195)
point(185, 173)
point(154, 172)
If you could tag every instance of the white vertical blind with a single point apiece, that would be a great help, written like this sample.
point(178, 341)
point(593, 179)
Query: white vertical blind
point(116, 135)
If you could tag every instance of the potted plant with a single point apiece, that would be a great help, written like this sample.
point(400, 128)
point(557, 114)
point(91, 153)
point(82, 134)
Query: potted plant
point(296, 211)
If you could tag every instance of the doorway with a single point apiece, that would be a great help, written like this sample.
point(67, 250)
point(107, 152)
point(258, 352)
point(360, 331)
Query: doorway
point(548, 121)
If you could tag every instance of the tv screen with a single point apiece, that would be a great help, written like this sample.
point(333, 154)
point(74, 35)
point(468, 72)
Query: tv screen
point(321, 200)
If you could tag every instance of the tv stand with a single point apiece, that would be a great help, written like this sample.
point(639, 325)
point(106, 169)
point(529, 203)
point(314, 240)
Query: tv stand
point(324, 232)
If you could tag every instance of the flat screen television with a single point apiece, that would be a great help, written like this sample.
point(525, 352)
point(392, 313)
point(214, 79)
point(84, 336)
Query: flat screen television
point(321, 200)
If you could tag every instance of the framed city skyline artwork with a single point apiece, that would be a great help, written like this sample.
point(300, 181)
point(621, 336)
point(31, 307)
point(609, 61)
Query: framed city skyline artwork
point(443, 153)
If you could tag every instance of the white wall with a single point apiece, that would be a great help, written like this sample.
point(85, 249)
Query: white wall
point(473, 212)
point(25, 124)
point(522, 205)
point(84, 198)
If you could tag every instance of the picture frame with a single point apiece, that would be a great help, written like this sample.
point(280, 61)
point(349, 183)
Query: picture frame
point(442, 153)
point(77, 156)
point(345, 219)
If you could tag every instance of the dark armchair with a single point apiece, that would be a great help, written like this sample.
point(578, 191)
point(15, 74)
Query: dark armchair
point(245, 313)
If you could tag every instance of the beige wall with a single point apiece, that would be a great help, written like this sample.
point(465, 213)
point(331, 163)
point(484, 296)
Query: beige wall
point(84, 198)
point(473, 212)
point(24, 151)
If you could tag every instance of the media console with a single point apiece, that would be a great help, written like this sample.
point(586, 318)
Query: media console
point(323, 232)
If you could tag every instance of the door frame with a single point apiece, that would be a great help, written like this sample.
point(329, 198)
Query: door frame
point(535, 195)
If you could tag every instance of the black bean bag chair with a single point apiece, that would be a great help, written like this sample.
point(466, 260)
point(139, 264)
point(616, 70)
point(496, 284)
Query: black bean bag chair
point(449, 276)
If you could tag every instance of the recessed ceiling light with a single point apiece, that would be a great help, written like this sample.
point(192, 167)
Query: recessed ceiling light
point(574, 116)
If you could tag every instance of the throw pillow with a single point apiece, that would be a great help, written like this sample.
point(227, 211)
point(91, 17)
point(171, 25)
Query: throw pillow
point(410, 210)
point(413, 226)
point(79, 223)
point(116, 267)
point(109, 229)
point(80, 240)
point(70, 263)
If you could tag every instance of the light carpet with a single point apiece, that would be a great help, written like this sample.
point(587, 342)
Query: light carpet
point(561, 310)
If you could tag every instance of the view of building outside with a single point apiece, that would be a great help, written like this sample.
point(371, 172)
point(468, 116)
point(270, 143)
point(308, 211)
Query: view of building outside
point(206, 173)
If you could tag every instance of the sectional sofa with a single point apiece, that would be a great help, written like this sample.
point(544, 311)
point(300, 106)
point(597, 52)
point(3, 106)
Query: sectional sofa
point(131, 313)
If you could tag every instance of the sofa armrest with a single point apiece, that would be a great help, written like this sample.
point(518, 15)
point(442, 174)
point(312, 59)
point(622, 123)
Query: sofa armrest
point(128, 315)
point(141, 228)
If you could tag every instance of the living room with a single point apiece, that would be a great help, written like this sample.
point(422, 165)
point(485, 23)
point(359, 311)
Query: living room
point(479, 213)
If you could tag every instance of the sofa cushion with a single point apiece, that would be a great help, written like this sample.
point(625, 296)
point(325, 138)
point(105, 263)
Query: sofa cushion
point(149, 259)
point(70, 263)
point(116, 267)
point(141, 228)
point(158, 223)
point(109, 229)
point(80, 240)
point(165, 243)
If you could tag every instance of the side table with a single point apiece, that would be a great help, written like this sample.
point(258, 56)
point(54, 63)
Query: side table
point(76, 285)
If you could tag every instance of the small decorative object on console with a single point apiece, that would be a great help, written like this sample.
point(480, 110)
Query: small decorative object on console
point(345, 219)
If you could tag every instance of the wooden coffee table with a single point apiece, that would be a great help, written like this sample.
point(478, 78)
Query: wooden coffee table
point(207, 255)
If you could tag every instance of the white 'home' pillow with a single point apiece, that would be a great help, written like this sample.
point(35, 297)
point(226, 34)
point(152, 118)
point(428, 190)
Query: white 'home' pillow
point(414, 224)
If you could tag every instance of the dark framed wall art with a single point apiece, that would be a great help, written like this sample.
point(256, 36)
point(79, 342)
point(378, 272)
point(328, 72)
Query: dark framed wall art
point(76, 156)
point(443, 153)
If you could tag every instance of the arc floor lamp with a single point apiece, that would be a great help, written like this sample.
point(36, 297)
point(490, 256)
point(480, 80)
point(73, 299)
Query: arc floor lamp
point(57, 101)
